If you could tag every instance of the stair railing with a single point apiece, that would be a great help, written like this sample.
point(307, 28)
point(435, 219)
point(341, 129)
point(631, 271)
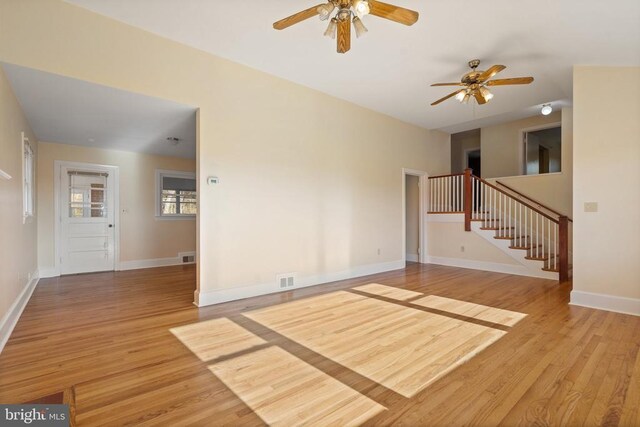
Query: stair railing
point(545, 237)
point(532, 201)
point(446, 194)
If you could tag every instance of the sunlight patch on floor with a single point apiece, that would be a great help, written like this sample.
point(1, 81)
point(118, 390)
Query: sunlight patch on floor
point(283, 390)
point(388, 291)
point(216, 338)
point(402, 348)
point(469, 309)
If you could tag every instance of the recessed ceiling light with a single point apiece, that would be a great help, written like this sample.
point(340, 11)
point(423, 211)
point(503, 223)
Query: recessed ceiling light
point(546, 109)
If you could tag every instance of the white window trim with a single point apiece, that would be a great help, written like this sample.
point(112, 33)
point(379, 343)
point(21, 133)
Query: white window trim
point(28, 216)
point(174, 174)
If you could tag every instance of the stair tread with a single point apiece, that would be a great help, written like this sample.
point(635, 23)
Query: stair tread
point(540, 258)
point(510, 237)
point(524, 247)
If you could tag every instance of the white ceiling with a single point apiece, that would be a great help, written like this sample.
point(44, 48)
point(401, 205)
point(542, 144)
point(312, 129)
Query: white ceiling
point(390, 69)
point(70, 111)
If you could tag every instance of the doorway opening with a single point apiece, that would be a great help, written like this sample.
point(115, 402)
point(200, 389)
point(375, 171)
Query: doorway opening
point(473, 161)
point(412, 215)
point(93, 133)
point(414, 207)
point(542, 150)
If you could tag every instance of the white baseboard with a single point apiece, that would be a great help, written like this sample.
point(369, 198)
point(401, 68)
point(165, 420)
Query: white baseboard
point(232, 294)
point(413, 257)
point(10, 318)
point(606, 302)
point(133, 265)
point(517, 269)
point(151, 263)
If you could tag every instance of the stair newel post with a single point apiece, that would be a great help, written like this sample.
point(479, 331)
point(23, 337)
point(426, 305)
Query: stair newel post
point(467, 199)
point(563, 247)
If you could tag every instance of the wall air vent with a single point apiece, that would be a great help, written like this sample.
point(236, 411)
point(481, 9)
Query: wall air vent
point(286, 280)
point(187, 257)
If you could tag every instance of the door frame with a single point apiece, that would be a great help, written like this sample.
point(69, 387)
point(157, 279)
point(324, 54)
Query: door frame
point(423, 181)
point(57, 211)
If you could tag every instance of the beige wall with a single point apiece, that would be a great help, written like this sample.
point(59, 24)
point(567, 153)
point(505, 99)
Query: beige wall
point(553, 190)
point(449, 240)
point(460, 142)
point(412, 214)
point(606, 153)
point(502, 145)
point(296, 194)
point(142, 236)
point(18, 257)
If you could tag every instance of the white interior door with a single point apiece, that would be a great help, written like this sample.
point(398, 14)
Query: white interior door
point(87, 217)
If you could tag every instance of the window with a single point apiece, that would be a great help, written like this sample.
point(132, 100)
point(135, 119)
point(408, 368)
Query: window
point(175, 194)
point(87, 194)
point(28, 175)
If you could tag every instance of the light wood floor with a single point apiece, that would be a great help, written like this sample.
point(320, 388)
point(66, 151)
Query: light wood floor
point(132, 349)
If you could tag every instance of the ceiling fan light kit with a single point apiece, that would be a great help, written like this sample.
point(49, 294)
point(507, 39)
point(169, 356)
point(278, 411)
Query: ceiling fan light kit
point(349, 12)
point(476, 82)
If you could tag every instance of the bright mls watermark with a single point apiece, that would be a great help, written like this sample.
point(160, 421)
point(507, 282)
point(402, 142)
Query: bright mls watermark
point(34, 415)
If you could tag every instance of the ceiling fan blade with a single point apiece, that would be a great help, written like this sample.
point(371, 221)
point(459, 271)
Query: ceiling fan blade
point(512, 81)
point(479, 97)
point(491, 71)
point(393, 13)
point(448, 84)
point(344, 36)
point(447, 97)
point(296, 17)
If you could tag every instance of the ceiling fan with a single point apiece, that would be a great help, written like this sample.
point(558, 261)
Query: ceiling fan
point(346, 13)
point(475, 84)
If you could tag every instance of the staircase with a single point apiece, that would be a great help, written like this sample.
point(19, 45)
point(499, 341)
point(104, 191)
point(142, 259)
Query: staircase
point(536, 236)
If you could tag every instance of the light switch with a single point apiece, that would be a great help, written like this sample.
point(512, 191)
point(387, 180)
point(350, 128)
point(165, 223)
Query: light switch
point(591, 206)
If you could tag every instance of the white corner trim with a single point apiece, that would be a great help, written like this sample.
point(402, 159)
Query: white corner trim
point(413, 257)
point(12, 316)
point(46, 273)
point(4, 175)
point(606, 302)
point(202, 299)
point(517, 269)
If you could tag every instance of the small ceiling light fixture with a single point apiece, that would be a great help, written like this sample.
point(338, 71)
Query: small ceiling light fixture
point(359, 26)
point(361, 7)
point(546, 109)
point(485, 93)
point(332, 28)
point(324, 11)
